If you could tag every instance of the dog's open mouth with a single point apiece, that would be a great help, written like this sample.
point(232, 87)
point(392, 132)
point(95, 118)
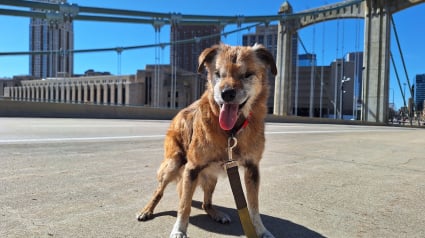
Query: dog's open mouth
point(229, 113)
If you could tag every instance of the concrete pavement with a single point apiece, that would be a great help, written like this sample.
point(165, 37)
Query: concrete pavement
point(88, 178)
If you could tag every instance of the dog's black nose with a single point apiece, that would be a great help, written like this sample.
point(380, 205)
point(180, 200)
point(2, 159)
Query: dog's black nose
point(228, 94)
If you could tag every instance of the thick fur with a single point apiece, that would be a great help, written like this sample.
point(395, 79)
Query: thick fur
point(196, 146)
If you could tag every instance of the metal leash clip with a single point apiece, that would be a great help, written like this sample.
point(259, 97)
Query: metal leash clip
point(232, 142)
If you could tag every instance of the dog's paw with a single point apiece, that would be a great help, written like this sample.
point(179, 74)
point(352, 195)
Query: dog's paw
point(222, 218)
point(178, 234)
point(144, 216)
point(267, 234)
point(218, 216)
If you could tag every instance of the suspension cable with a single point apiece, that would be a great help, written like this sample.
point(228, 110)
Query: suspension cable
point(356, 67)
point(402, 57)
point(312, 73)
point(336, 109)
point(124, 48)
point(398, 79)
point(302, 44)
point(297, 74)
point(322, 71)
point(300, 41)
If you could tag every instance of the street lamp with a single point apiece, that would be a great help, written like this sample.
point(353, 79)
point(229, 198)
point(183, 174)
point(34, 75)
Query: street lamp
point(393, 98)
point(404, 92)
point(341, 106)
point(404, 100)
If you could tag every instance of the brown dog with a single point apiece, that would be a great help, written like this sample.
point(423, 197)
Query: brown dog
point(197, 139)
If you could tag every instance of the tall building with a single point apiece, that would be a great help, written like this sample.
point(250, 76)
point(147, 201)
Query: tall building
point(310, 90)
point(267, 36)
point(185, 55)
point(185, 88)
point(345, 85)
point(54, 34)
point(420, 92)
point(307, 59)
point(356, 60)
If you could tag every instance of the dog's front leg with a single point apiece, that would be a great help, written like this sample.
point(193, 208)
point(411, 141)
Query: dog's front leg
point(188, 186)
point(252, 183)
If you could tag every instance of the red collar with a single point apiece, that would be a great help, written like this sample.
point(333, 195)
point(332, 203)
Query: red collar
point(238, 129)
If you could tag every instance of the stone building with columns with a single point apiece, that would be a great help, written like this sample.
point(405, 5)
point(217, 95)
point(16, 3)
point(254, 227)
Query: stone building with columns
point(157, 91)
point(114, 90)
point(142, 89)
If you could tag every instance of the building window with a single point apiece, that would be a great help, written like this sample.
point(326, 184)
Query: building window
point(251, 41)
point(261, 39)
point(269, 40)
point(245, 40)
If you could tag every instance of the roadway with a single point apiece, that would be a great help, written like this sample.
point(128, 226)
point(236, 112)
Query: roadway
point(89, 177)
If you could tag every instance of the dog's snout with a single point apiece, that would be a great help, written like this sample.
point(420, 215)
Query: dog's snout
point(228, 94)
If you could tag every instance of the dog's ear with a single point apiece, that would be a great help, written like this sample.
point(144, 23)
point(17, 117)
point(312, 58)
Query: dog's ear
point(207, 56)
point(264, 55)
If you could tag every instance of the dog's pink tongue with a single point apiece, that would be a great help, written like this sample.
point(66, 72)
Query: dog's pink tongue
point(228, 116)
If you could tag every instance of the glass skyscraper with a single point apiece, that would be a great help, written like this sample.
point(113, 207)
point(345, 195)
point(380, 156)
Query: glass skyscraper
point(420, 91)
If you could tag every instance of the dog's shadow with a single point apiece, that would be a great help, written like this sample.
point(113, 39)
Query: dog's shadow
point(277, 226)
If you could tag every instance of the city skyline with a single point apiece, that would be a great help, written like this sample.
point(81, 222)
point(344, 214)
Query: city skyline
point(329, 40)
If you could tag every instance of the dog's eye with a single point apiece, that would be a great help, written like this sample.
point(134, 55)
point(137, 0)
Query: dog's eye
point(217, 74)
point(248, 74)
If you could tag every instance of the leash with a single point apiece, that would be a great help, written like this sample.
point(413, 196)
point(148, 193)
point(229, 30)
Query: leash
point(231, 167)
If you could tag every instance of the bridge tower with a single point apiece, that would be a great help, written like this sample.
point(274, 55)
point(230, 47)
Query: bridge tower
point(376, 61)
point(377, 19)
point(286, 31)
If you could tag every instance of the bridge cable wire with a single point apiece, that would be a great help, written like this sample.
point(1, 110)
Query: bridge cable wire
point(124, 48)
point(322, 70)
point(312, 73)
point(356, 67)
point(113, 15)
point(398, 78)
point(316, 74)
point(300, 41)
point(144, 17)
point(297, 74)
point(342, 73)
point(401, 56)
point(336, 109)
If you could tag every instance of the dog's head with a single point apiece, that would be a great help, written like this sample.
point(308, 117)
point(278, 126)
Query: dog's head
point(237, 79)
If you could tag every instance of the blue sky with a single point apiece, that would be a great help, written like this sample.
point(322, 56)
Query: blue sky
point(328, 40)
